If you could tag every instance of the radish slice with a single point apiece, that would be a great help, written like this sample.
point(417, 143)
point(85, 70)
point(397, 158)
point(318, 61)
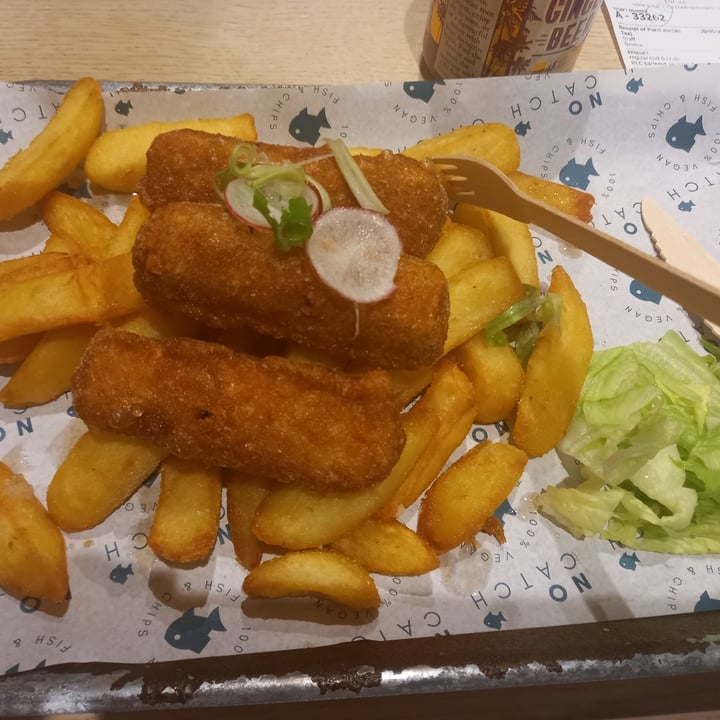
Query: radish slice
point(239, 200)
point(356, 252)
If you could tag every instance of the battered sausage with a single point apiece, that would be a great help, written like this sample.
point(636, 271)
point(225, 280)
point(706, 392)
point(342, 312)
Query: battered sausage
point(272, 417)
point(196, 260)
point(181, 165)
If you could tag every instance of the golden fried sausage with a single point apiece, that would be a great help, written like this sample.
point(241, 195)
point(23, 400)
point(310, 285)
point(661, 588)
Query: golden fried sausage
point(271, 417)
point(196, 260)
point(182, 164)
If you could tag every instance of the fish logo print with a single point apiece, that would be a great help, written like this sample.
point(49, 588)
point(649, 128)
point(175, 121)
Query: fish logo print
point(505, 508)
point(682, 134)
point(706, 603)
point(686, 206)
point(5, 135)
point(120, 573)
point(643, 292)
point(634, 85)
point(522, 128)
point(421, 89)
point(629, 562)
point(192, 632)
point(573, 174)
point(123, 107)
point(306, 127)
point(494, 620)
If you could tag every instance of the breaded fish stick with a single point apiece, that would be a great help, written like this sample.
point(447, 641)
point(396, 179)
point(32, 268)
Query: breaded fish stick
point(196, 260)
point(181, 165)
point(272, 417)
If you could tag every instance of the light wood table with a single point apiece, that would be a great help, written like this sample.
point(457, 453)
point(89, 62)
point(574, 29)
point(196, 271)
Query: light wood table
point(286, 41)
point(228, 41)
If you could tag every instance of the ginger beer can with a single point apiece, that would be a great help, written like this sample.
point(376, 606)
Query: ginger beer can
point(478, 38)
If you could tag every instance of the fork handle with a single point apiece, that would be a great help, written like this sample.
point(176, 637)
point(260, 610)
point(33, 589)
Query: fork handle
point(693, 294)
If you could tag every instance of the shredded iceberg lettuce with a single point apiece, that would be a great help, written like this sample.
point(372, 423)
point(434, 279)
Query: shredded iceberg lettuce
point(646, 436)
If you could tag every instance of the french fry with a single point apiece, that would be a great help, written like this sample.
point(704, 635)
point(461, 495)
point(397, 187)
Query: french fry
point(92, 232)
point(295, 518)
point(99, 473)
point(244, 496)
point(116, 160)
point(478, 294)
point(458, 247)
point(34, 266)
point(185, 523)
point(460, 501)
point(155, 324)
point(55, 152)
point(509, 238)
point(91, 293)
point(33, 559)
point(134, 218)
point(46, 372)
point(568, 199)
point(16, 349)
point(452, 401)
point(324, 573)
point(555, 373)
point(388, 547)
point(494, 142)
point(496, 374)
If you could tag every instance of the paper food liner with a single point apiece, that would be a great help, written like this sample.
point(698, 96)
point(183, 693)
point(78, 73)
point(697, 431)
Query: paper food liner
point(601, 131)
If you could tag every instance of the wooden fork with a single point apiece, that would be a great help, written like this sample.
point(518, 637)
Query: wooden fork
point(473, 181)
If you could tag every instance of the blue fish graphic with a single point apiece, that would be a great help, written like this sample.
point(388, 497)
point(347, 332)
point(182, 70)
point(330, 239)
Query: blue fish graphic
point(578, 176)
point(682, 134)
point(494, 620)
point(306, 127)
point(192, 632)
point(643, 292)
point(123, 107)
point(706, 603)
point(5, 135)
point(686, 205)
point(505, 508)
point(120, 573)
point(522, 127)
point(634, 85)
point(629, 562)
point(421, 89)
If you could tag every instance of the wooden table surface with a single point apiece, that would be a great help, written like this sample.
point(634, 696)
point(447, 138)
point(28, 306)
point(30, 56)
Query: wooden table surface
point(286, 41)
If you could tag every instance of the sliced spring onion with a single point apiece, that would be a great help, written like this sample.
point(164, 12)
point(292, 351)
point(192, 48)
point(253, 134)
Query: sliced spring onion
point(355, 178)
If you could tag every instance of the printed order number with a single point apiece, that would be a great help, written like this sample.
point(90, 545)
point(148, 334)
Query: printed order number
point(647, 17)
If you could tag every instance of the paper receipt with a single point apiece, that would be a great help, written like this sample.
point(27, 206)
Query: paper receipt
point(666, 32)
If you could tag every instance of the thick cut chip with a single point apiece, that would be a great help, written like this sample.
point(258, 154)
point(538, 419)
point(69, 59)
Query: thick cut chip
point(567, 199)
point(185, 523)
point(555, 373)
point(459, 502)
point(100, 472)
point(510, 238)
point(93, 292)
point(494, 142)
point(324, 573)
point(452, 401)
point(388, 547)
point(55, 152)
point(91, 230)
point(117, 159)
point(459, 246)
point(28, 267)
point(32, 550)
point(496, 374)
point(244, 496)
point(46, 372)
point(478, 294)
